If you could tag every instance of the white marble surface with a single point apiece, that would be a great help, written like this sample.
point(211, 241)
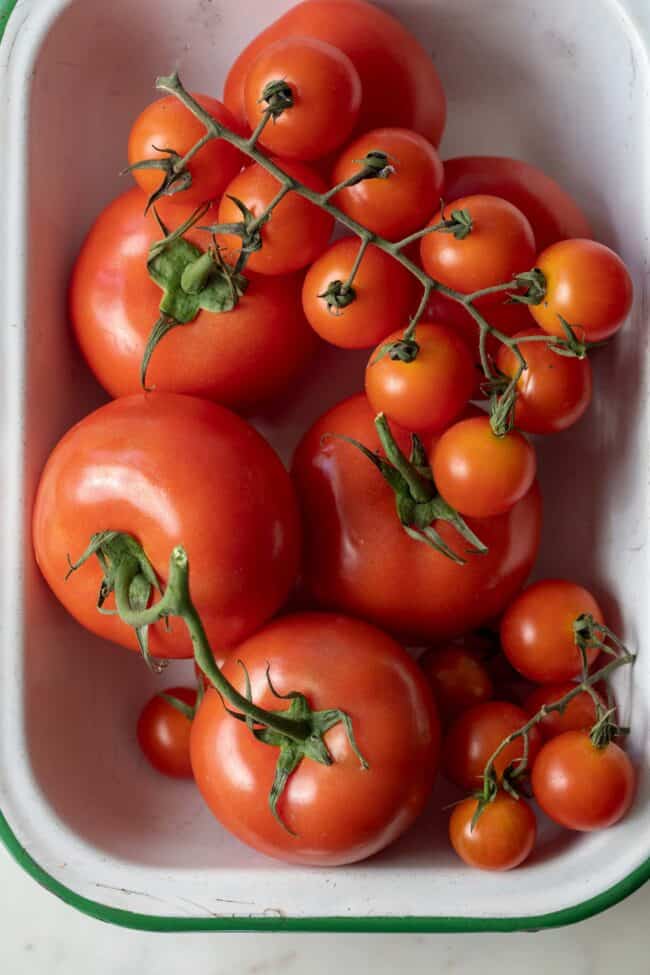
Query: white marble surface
point(41, 936)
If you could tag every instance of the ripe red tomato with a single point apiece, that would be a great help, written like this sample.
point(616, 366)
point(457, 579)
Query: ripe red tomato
point(457, 678)
point(325, 90)
point(499, 246)
point(169, 469)
point(474, 737)
point(554, 390)
point(166, 123)
point(239, 358)
point(357, 557)
point(579, 714)
point(384, 296)
point(428, 393)
point(396, 206)
point(339, 813)
point(552, 213)
point(582, 786)
point(588, 285)
point(400, 83)
point(164, 733)
point(503, 837)
point(479, 473)
point(297, 231)
point(537, 630)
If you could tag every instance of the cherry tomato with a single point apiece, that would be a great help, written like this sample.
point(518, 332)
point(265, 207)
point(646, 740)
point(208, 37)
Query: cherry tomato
point(503, 837)
point(384, 296)
point(582, 786)
point(429, 392)
point(458, 679)
point(171, 469)
point(552, 213)
point(240, 358)
point(499, 246)
point(164, 733)
point(479, 473)
point(588, 285)
point(579, 714)
point(553, 391)
point(358, 559)
point(325, 91)
point(339, 813)
point(297, 231)
point(400, 83)
point(474, 737)
point(397, 205)
point(537, 630)
point(167, 124)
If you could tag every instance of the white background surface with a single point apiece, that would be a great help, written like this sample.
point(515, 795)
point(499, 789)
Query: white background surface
point(41, 936)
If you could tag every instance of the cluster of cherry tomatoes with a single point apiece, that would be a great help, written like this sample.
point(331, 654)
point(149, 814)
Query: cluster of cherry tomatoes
point(207, 288)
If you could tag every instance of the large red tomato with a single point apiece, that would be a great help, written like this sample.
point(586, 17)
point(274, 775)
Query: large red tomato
point(239, 357)
point(358, 558)
point(400, 83)
point(171, 469)
point(552, 213)
point(339, 813)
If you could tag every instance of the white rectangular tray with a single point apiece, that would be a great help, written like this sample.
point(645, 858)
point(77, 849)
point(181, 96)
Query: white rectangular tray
point(563, 85)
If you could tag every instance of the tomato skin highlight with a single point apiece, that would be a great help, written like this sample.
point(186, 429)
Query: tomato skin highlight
point(164, 733)
point(552, 213)
point(339, 813)
point(503, 837)
point(168, 124)
point(297, 232)
point(396, 206)
point(588, 285)
point(357, 558)
point(428, 393)
point(480, 474)
point(385, 296)
point(457, 678)
point(553, 392)
point(401, 86)
point(499, 246)
point(239, 358)
point(326, 93)
point(476, 734)
point(579, 714)
point(169, 469)
point(581, 786)
point(537, 630)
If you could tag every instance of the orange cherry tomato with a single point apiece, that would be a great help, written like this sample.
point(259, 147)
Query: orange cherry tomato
point(578, 715)
point(458, 679)
point(588, 285)
point(164, 733)
point(503, 837)
point(479, 473)
point(399, 204)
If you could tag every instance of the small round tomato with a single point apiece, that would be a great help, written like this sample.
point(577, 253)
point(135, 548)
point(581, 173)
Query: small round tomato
point(164, 733)
point(383, 295)
point(458, 679)
point(588, 285)
point(583, 786)
point(324, 91)
point(553, 391)
point(167, 124)
point(578, 715)
point(480, 474)
point(239, 358)
point(168, 469)
point(339, 813)
point(297, 231)
point(429, 392)
point(476, 734)
point(503, 837)
point(499, 246)
point(537, 630)
point(394, 206)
